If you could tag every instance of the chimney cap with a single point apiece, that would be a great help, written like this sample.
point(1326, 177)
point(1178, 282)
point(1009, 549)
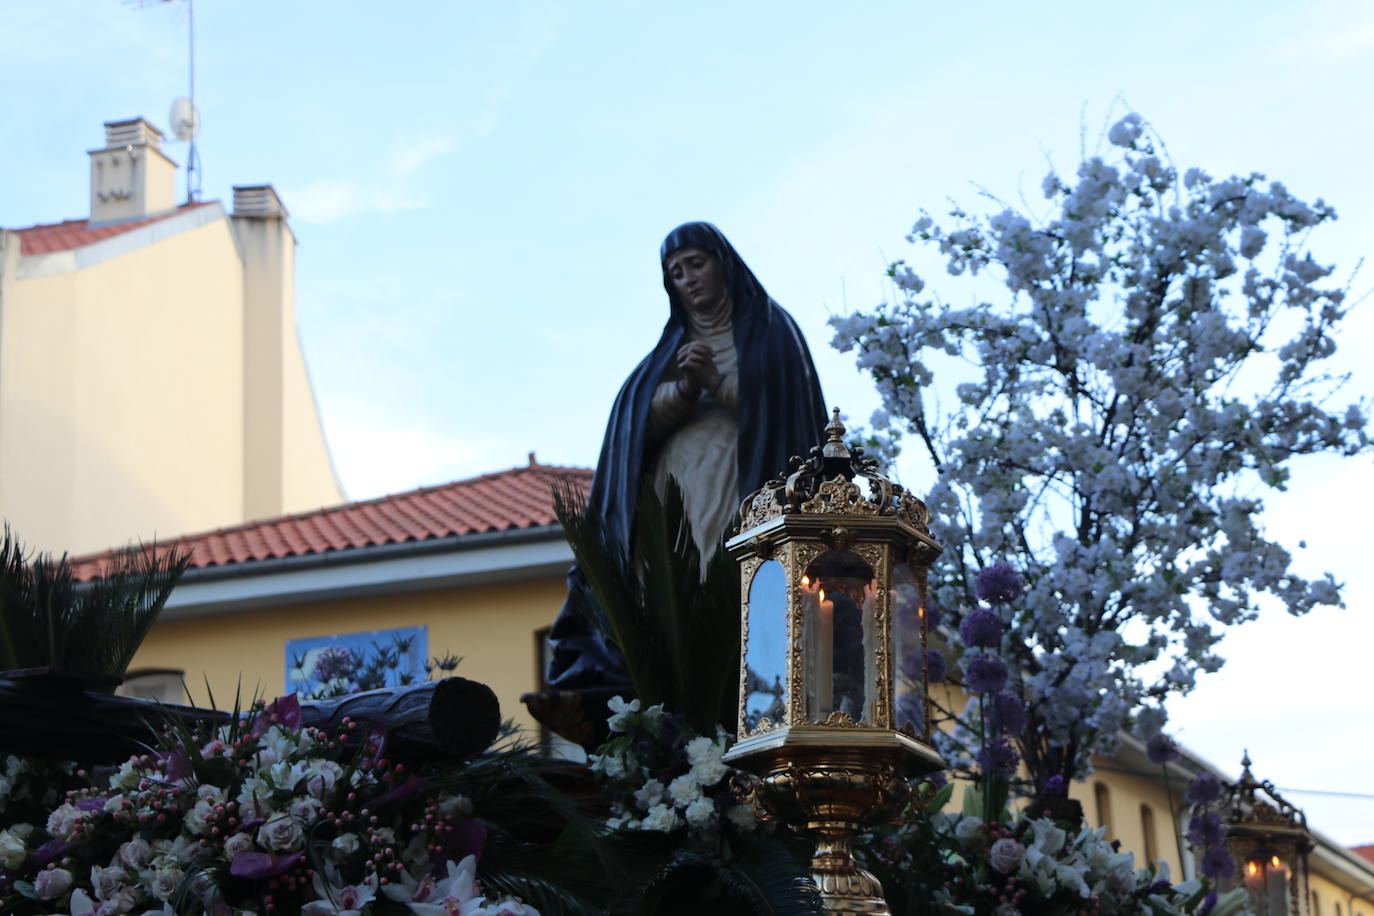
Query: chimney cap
point(132, 132)
point(257, 200)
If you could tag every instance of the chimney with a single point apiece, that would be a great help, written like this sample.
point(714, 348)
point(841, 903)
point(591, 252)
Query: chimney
point(130, 177)
point(257, 201)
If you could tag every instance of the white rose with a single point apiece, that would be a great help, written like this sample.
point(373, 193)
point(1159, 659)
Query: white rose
point(281, 832)
point(13, 850)
point(52, 883)
point(198, 819)
point(702, 749)
point(649, 794)
point(239, 842)
point(1006, 855)
point(306, 810)
point(136, 853)
point(107, 881)
point(969, 830)
point(709, 772)
point(164, 883)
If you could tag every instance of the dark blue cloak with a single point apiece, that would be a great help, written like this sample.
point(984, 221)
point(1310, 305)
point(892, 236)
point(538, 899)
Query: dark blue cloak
point(781, 413)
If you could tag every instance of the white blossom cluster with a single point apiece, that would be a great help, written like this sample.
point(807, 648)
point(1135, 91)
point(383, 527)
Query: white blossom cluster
point(1154, 358)
point(663, 777)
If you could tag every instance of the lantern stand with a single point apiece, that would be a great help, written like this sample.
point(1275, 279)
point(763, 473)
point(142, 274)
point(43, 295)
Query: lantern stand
point(833, 718)
point(1269, 839)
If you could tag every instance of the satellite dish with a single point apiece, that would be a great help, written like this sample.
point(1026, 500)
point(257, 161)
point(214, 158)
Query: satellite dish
point(185, 119)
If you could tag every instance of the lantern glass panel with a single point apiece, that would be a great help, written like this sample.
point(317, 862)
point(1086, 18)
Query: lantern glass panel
point(765, 651)
point(838, 593)
point(908, 604)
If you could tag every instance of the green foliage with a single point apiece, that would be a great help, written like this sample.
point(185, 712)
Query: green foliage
point(753, 877)
point(48, 619)
point(676, 625)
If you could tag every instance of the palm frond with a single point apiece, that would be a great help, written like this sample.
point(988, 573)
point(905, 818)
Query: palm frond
point(48, 619)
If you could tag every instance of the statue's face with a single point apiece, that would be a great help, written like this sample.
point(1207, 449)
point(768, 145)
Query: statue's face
point(696, 276)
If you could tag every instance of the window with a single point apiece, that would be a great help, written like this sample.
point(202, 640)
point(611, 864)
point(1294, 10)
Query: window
point(1316, 905)
point(1338, 909)
point(1102, 797)
point(1147, 829)
point(163, 685)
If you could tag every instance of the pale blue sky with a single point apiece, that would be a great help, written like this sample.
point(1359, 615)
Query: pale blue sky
point(479, 191)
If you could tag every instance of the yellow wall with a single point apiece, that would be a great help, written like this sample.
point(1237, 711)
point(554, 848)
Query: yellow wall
point(1126, 794)
point(492, 627)
point(120, 396)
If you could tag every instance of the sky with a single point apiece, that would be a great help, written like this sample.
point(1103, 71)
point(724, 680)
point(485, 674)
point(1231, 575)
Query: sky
point(479, 192)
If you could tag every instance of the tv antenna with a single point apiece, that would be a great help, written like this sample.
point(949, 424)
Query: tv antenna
point(184, 117)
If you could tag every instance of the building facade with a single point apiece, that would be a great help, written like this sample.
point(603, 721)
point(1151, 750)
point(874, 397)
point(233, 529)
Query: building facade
point(151, 380)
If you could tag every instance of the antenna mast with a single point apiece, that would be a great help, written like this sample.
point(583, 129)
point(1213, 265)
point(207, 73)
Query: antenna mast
point(184, 117)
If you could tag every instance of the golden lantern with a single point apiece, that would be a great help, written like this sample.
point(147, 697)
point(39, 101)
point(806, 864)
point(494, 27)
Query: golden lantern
point(833, 717)
point(1269, 840)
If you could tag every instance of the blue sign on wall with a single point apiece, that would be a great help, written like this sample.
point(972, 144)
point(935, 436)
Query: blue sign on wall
point(318, 667)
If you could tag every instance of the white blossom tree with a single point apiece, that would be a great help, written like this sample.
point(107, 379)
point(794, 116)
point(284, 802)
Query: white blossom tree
point(1151, 364)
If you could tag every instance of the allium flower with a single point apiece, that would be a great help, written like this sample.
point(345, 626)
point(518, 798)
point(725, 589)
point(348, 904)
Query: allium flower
point(998, 584)
point(985, 673)
point(334, 662)
point(1161, 749)
point(998, 757)
point(910, 709)
point(1204, 829)
point(981, 628)
point(1204, 789)
point(1009, 713)
point(1054, 786)
point(936, 668)
point(1217, 863)
point(1208, 904)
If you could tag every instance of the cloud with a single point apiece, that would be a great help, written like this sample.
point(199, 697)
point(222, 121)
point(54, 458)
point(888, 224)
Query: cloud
point(393, 188)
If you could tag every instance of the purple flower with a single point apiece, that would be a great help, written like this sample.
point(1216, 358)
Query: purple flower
point(1217, 863)
point(1054, 786)
point(1205, 829)
point(1161, 749)
point(263, 864)
point(981, 628)
point(911, 665)
point(998, 757)
point(985, 673)
point(1208, 903)
point(998, 584)
point(933, 613)
point(1009, 713)
point(911, 709)
point(936, 669)
point(1204, 789)
point(334, 662)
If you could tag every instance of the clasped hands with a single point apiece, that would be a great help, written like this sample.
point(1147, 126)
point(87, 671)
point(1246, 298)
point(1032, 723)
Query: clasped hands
point(697, 363)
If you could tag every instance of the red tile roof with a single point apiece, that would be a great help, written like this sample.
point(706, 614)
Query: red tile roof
point(46, 238)
point(1367, 851)
point(503, 501)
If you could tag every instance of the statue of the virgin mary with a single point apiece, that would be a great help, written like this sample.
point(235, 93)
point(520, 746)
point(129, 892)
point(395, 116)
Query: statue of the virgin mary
point(725, 398)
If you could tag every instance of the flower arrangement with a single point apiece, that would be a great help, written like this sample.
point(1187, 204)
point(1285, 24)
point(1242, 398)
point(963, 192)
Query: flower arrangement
point(661, 776)
point(256, 816)
point(1019, 865)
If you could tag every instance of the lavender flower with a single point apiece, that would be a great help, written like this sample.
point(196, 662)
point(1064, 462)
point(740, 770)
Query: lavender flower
point(1008, 713)
point(1161, 749)
point(1217, 863)
point(981, 628)
point(936, 668)
point(985, 673)
point(1204, 789)
point(1204, 829)
point(998, 757)
point(1054, 786)
point(998, 584)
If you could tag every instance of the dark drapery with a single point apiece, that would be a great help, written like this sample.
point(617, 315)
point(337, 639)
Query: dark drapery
point(780, 413)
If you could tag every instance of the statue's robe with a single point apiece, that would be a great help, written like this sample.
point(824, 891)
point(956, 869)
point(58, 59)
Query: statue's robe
point(774, 398)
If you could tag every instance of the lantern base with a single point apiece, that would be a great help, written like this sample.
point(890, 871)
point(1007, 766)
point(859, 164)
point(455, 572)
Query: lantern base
point(832, 793)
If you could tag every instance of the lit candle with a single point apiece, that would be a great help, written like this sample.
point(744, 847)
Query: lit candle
point(825, 657)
